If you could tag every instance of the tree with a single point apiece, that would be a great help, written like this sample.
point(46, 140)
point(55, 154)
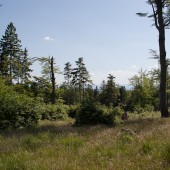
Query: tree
point(111, 91)
point(68, 75)
point(102, 90)
point(80, 77)
point(10, 54)
point(48, 71)
point(25, 67)
point(161, 18)
point(144, 91)
point(40, 87)
point(122, 95)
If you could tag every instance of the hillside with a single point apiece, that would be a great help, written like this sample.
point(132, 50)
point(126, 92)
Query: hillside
point(139, 143)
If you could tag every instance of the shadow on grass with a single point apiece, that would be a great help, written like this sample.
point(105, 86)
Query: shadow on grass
point(142, 124)
point(53, 128)
point(58, 128)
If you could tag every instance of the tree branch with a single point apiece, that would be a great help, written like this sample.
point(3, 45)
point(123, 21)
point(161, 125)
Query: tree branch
point(155, 16)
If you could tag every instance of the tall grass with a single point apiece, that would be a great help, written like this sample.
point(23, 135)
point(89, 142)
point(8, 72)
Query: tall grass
point(136, 144)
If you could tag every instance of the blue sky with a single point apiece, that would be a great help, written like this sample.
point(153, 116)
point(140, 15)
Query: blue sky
point(106, 33)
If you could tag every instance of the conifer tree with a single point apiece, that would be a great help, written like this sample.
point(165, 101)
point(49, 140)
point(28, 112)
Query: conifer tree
point(68, 75)
point(10, 54)
point(111, 91)
point(25, 67)
point(81, 77)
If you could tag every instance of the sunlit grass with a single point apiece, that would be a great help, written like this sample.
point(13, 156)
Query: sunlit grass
point(139, 143)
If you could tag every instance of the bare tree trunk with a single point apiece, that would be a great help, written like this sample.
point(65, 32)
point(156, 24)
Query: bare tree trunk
point(53, 94)
point(163, 63)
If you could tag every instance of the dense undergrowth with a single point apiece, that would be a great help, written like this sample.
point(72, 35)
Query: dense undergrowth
point(19, 110)
point(142, 142)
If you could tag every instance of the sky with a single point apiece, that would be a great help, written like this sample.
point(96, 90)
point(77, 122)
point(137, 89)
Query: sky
point(108, 34)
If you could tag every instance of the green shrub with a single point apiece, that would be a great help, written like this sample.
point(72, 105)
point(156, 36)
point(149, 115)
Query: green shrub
point(138, 109)
point(16, 110)
point(53, 112)
point(149, 108)
point(73, 111)
point(92, 113)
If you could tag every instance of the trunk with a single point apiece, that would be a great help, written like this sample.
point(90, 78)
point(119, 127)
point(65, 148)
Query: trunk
point(53, 95)
point(79, 93)
point(163, 64)
point(10, 71)
point(68, 88)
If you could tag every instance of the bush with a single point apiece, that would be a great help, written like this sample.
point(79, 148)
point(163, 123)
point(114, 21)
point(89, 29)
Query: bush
point(16, 110)
point(138, 109)
point(72, 112)
point(149, 108)
point(53, 112)
point(92, 113)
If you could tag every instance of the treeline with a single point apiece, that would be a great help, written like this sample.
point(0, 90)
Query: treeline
point(25, 97)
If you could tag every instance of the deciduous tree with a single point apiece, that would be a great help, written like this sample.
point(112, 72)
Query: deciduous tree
point(161, 16)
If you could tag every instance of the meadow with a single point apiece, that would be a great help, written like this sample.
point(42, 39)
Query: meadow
point(142, 142)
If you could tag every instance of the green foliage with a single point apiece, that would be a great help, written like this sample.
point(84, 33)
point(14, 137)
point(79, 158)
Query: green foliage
point(16, 110)
point(53, 112)
point(14, 64)
point(109, 92)
point(145, 92)
point(138, 109)
point(72, 112)
point(92, 113)
point(81, 78)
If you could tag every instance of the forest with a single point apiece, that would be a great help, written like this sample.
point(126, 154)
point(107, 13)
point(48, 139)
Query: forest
point(78, 124)
point(26, 99)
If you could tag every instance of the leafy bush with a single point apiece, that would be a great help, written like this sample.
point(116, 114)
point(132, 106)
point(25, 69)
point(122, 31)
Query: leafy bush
point(149, 108)
point(16, 110)
point(138, 109)
point(92, 113)
point(73, 111)
point(53, 112)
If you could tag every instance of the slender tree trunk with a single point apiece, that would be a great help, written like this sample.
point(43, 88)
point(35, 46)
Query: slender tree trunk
point(79, 93)
point(53, 95)
point(10, 71)
point(163, 64)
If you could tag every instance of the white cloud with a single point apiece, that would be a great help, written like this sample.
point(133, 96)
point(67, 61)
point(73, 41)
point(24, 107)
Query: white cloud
point(153, 67)
point(134, 67)
point(47, 38)
point(121, 76)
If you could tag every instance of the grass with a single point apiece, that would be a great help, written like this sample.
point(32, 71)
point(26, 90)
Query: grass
point(143, 142)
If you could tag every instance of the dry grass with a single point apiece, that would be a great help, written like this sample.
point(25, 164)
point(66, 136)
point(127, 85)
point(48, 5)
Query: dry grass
point(144, 143)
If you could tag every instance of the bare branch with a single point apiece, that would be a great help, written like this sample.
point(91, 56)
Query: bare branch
point(142, 14)
point(154, 54)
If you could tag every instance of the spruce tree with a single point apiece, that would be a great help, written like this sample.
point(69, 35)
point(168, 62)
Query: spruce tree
point(25, 67)
point(10, 54)
point(68, 75)
point(111, 91)
point(81, 77)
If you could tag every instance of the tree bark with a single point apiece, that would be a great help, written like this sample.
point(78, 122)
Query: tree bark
point(163, 64)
